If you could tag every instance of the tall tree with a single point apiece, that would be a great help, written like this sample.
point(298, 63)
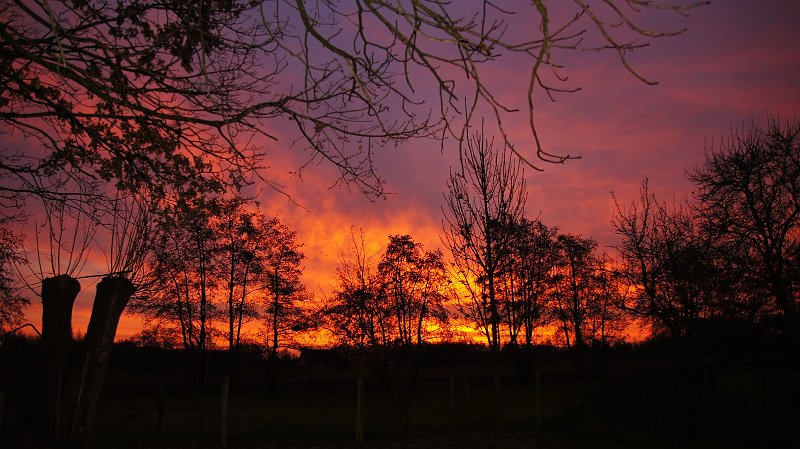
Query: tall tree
point(242, 238)
point(434, 292)
point(284, 292)
point(749, 197)
point(414, 282)
point(526, 281)
point(669, 261)
point(484, 198)
point(185, 266)
point(398, 272)
point(606, 318)
point(572, 292)
point(356, 314)
point(527, 277)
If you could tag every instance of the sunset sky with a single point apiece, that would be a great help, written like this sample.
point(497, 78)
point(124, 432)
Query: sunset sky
point(737, 62)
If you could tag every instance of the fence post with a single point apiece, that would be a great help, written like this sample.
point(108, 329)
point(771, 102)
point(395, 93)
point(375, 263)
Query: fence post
point(360, 406)
point(452, 391)
point(160, 406)
point(538, 401)
point(2, 408)
point(224, 429)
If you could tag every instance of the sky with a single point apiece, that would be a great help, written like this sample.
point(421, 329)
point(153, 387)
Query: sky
point(737, 62)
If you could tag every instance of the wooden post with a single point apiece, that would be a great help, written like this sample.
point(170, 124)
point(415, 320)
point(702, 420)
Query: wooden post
point(452, 392)
point(224, 420)
point(2, 408)
point(706, 389)
point(452, 386)
point(538, 401)
point(360, 406)
point(160, 405)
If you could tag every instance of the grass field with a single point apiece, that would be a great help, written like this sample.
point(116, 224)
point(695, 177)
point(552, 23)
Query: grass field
point(321, 413)
point(453, 407)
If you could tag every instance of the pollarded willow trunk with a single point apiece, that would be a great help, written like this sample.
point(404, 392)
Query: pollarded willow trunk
point(58, 297)
point(113, 294)
point(71, 386)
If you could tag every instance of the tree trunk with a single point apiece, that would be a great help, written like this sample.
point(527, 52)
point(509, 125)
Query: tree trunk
point(58, 296)
point(90, 370)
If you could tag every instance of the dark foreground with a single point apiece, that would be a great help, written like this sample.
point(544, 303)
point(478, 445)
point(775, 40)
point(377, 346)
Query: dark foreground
point(639, 404)
point(157, 398)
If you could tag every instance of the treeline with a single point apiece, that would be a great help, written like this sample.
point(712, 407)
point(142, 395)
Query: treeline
point(706, 274)
point(217, 266)
point(730, 254)
point(719, 265)
point(699, 272)
point(711, 275)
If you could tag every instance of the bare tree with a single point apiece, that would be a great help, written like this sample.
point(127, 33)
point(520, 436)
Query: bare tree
point(606, 318)
point(72, 380)
point(484, 198)
point(668, 261)
point(356, 314)
point(242, 238)
point(185, 265)
point(129, 246)
point(414, 282)
point(282, 267)
point(67, 244)
point(573, 292)
point(434, 292)
point(749, 199)
point(526, 281)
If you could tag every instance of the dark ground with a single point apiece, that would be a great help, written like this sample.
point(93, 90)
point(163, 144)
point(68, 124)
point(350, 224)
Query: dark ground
point(638, 404)
point(153, 399)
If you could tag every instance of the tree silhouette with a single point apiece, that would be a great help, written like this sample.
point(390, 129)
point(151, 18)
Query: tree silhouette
point(749, 195)
point(72, 374)
point(241, 236)
point(573, 292)
point(670, 263)
point(484, 198)
point(606, 318)
point(356, 314)
point(284, 293)
point(185, 265)
point(526, 283)
point(166, 99)
point(526, 278)
point(414, 282)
